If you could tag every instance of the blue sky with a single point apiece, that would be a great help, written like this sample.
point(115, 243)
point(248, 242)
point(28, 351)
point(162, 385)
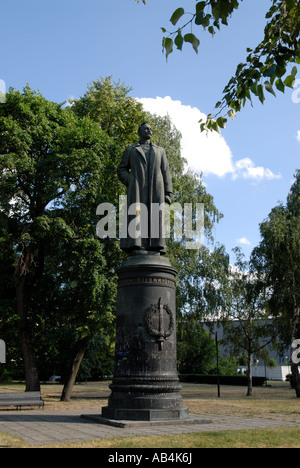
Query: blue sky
point(59, 46)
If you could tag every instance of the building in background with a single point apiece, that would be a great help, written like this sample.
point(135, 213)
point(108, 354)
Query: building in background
point(260, 368)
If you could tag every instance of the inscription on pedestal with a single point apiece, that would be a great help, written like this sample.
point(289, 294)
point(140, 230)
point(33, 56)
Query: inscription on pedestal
point(146, 280)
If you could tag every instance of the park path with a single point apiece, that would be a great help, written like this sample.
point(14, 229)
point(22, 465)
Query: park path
point(53, 427)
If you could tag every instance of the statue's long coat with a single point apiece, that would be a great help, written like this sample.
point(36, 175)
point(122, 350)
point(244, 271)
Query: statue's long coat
point(147, 182)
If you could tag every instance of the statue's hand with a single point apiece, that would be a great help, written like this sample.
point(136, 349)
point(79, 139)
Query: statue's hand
point(168, 199)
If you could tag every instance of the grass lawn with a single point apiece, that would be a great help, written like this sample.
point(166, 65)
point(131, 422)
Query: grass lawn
point(276, 402)
point(260, 438)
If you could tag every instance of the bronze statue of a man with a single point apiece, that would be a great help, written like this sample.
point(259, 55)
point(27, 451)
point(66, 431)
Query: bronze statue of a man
point(144, 169)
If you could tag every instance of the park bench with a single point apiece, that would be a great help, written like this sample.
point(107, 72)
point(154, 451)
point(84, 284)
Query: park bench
point(21, 399)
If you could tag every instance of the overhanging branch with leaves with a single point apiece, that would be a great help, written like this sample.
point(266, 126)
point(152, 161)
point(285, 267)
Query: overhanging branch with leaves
point(270, 67)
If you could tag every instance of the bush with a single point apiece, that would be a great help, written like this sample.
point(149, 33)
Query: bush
point(224, 379)
point(5, 376)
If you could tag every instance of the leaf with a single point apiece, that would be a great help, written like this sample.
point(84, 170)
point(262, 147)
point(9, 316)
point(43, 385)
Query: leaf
point(199, 18)
point(200, 6)
point(202, 126)
point(206, 21)
point(221, 121)
point(260, 93)
point(269, 88)
point(253, 88)
point(168, 46)
point(280, 85)
point(192, 39)
point(294, 72)
point(289, 81)
point(235, 105)
point(231, 114)
point(177, 15)
point(214, 126)
point(271, 71)
point(290, 4)
point(179, 41)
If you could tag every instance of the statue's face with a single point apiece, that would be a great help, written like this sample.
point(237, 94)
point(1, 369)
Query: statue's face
point(146, 131)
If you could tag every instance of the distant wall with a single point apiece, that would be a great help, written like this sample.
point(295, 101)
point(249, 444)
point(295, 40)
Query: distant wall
point(272, 373)
point(2, 352)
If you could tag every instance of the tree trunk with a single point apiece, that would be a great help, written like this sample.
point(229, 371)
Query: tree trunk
point(249, 374)
point(74, 368)
point(31, 371)
point(1, 370)
point(294, 365)
point(295, 379)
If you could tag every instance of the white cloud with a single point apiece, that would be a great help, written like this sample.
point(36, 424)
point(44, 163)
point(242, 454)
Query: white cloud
point(210, 153)
point(298, 135)
point(244, 241)
point(246, 169)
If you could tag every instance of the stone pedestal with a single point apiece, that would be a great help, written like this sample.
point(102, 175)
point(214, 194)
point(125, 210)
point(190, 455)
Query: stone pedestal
point(145, 385)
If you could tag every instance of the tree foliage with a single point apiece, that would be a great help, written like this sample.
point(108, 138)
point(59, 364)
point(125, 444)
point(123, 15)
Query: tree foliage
point(59, 280)
point(51, 179)
point(109, 103)
point(196, 352)
point(270, 67)
point(245, 317)
point(277, 259)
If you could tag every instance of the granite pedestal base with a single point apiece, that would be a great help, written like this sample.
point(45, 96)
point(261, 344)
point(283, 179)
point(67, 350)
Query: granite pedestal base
point(145, 385)
point(145, 414)
point(127, 423)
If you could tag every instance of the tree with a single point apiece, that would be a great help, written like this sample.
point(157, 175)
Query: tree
point(86, 299)
point(196, 352)
point(58, 281)
point(199, 300)
point(277, 260)
point(108, 103)
point(51, 169)
point(245, 318)
point(272, 63)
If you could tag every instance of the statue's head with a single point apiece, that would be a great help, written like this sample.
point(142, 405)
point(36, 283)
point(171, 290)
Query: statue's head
point(145, 131)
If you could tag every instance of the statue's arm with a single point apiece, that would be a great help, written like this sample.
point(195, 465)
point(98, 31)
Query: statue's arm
point(123, 168)
point(165, 168)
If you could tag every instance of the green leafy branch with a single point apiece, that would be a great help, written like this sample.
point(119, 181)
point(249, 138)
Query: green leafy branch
point(209, 14)
point(270, 67)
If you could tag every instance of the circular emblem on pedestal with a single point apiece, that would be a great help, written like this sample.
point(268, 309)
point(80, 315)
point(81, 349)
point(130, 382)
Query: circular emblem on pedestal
point(160, 322)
